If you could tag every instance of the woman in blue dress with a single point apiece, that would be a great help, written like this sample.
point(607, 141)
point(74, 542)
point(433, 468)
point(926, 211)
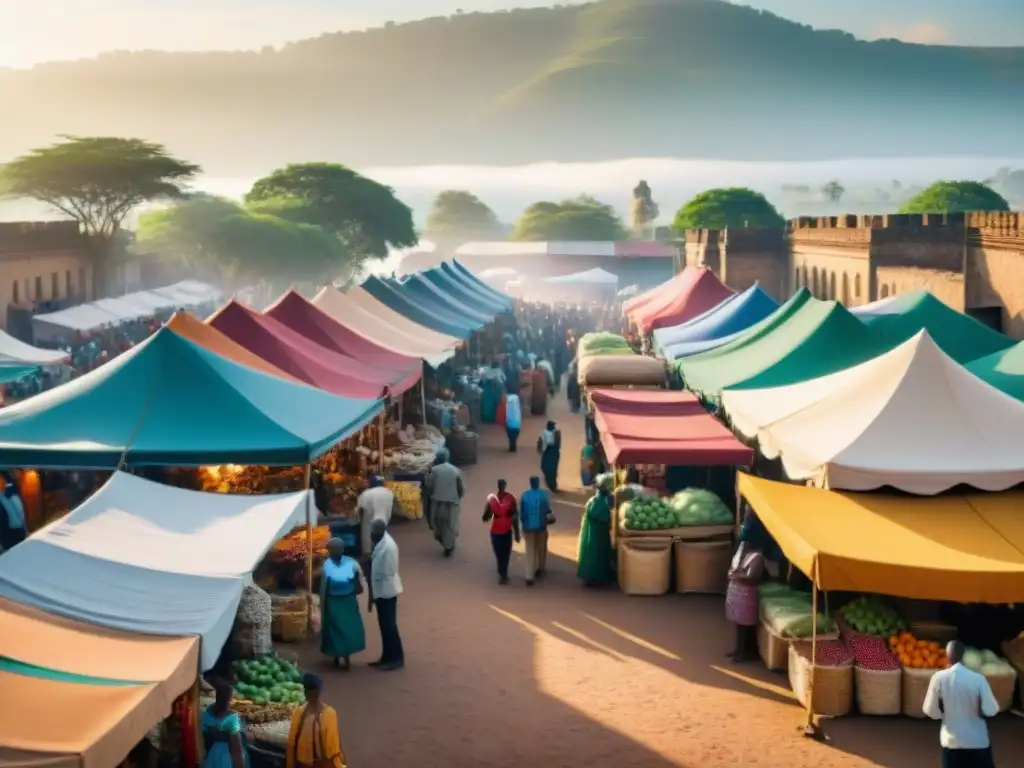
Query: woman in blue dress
point(223, 739)
point(341, 624)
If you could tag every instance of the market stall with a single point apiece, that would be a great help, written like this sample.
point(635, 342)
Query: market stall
point(952, 548)
point(912, 419)
point(457, 270)
point(717, 326)
point(453, 285)
point(691, 297)
point(1004, 370)
point(426, 313)
point(667, 288)
point(16, 352)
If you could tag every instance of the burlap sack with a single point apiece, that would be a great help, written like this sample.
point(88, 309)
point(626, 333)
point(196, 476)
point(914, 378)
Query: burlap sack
point(621, 370)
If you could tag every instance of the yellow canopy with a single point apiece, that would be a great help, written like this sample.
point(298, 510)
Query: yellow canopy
point(963, 548)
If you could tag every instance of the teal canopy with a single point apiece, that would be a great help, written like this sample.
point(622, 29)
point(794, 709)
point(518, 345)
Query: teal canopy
point(803, 339)
point(1004, 370)
point(455, 268)
point(9, 373)
point(169, 402)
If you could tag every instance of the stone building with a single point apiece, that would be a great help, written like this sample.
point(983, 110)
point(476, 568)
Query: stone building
point(973, 262)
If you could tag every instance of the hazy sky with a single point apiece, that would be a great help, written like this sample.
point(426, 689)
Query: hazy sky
point(41, 30)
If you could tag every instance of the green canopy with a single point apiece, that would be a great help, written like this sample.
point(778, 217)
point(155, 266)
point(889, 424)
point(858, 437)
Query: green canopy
point(803, 339)
point(958, 335)
point(169, 402)
point(1004, 370)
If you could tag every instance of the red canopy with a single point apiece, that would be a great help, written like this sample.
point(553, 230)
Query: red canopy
point(285, 349)
point(293, 311)
point(659, 427)
point(689, 299)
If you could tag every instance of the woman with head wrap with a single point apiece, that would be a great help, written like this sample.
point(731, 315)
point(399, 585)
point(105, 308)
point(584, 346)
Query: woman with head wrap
point(313, 740)
point(222, 731)
point(549, 446)
point(342, 633)
point(741, 597)
point(594, 550)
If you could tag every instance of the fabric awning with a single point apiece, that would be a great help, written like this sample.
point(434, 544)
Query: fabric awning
point(1004, 370)
point(458, 270)
point(689, 298)
point(635, 303)
point(962, 548)
point(206, 336)
point(595, 276)
point(13, 350)
point(717, 326)
point(149, 558)
point(428, 315)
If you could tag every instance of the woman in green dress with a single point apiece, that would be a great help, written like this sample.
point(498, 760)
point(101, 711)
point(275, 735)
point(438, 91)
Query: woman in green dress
point(342, 633)
point(595, 545)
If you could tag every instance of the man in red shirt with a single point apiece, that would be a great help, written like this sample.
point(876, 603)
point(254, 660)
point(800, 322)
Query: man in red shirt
point(502, 514)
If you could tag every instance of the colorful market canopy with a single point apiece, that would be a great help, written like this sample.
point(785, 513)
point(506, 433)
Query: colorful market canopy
point(13, 350)
point(119, 685)
point(718, 325)
point(300, 357)
point(690, 298)
point(595, 276)
point(367, 316)
point(912, 419)
point(206, 336)
point(169, 402)
point(456, 287)
point(637, 302)
point(9, 373)
point(460, 272)
point(663, 428)
point(429, 295)
point(144, 557)
point(432, 317)
point(1004, 370)
point(295, 312)
point(887, 306)
point(803, 339)
point(964, 548)
point(958, 335)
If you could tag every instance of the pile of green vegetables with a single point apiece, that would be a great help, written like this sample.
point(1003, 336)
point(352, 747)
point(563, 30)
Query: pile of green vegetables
point(871, 615)
point(789, 612)
point(647, 513)
point(603, 343)
point(698, 506)
point(269, 679)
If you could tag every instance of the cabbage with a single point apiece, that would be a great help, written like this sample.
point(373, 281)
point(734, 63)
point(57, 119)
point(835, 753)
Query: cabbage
point(697, 506)
point(804, 626)
point(973, 659)
point(989, 657)
point(995, 669)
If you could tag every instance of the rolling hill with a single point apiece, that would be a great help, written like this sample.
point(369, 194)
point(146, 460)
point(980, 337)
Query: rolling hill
point(616, 78)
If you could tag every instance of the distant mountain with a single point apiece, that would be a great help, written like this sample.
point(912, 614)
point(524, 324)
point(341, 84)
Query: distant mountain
point(616, 78)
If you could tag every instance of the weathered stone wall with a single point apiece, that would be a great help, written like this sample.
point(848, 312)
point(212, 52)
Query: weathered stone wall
point(831, 258)
point(995, 267)
point(750, 256)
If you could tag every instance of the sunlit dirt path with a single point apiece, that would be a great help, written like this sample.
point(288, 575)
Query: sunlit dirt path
point(555, 676)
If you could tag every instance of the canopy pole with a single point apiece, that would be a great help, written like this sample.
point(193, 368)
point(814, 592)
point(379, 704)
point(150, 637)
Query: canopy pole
point(380, 447)
point(196, 723)
point(423, 399)
point(307, 475)
point(811, 729)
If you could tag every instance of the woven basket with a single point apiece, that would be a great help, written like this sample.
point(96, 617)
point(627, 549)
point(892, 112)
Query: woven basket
point(462, 447)
point(290, 626)
point(774, 649)
point(1003, 688)
point(645, 566)
point(879, 692)
point(915, 686)
point(285, 602)
point(833, 686)
point(703, 566)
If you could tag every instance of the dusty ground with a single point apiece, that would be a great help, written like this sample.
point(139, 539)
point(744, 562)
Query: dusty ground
point(556, 676)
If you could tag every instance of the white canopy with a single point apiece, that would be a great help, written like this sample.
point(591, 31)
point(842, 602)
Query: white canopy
point(152, 301)
point(202, 291)
point(596, 276)
point(891, 305)
point(497, 272)
point(13, 350)
point(149, 558)
point(83, 317)
point(124, 307)
point(912, 419)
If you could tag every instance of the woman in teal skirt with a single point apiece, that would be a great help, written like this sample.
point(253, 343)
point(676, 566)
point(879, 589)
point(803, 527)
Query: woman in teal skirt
point(223, 741)
point(342, 633)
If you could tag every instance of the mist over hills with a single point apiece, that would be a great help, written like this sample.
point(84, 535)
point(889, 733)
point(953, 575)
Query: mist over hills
point(616, 78)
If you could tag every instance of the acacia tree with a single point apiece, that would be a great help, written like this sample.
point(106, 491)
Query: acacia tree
point(97, 181)
point(458, 214)
point(366, 216)
point(833, 191)
point(955, 197)
point(734, 207)
point(581, 218)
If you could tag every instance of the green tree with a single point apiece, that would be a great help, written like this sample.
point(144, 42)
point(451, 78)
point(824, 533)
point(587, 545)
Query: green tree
point(97, 181)
point(365, 215)
point(734, 207)
point(214, 233)
point(955, 197)
point(833, 191)
point(458, 214)
point(581, 218)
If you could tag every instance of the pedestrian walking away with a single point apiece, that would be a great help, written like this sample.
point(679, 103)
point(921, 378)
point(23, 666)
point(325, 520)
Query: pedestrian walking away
point(535, 516)
point(445, 487)
point(513, 420)
point(549, 446)
point(500, 511)
point(385, 587)
point(962, 699)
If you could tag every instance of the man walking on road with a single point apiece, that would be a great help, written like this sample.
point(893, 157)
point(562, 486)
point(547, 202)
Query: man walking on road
point(385, 587)
point(500, 512)
point(445, 487)
point(961, 699)
point(377, 502)
point(534, 517)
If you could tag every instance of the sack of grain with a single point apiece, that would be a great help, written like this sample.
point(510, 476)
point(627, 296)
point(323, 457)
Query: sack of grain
point(612, 370)
point(253, 623)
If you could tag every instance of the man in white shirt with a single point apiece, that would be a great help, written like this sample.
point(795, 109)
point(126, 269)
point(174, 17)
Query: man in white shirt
point(385, 587)
point(961, 698)
point(375, 503)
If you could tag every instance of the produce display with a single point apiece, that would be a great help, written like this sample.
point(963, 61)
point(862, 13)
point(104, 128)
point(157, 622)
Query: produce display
point(789, 613)
point(698, 506)
point(250, 479)
point(648, 513)
point(870, 615)
point(292, 548)
point(415, 451)
point(987, 663)
point(917, 654)
point(827, 653)
point(602, 343)
point(409, 498)
point(870, 652)
point(268, 679)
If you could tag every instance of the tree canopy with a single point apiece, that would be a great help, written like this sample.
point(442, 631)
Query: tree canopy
point(581, 218)
point(214, 233)
point(97, 180)
point(458, 214)
point(730, 207)
point(955, 197)
point(365, 215)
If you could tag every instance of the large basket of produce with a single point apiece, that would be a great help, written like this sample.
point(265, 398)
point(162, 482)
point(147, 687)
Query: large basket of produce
point(702, 566)
point(915, 686)
point(789, 614)
point(290, 626)
point(602, 343)
point(645, 566)
point(773, 648)
point(871, 615)
point(621, 370)
point(832, 680)
point(409, 496)
point(877, 673)
point(462, 447)
point(252, 635)
point(268, 679)
point(1001, 676)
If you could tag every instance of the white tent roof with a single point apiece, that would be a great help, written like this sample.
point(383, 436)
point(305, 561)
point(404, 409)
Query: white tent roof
point(891, 305)
point(149, 558)
point(596, 276)
point(152, 301)
point(13, 350)
point(83, 317)
point(912, 419)
point(124, 308)
point(204, 291)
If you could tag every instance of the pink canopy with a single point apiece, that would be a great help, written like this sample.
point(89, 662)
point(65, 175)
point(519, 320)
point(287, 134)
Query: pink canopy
point(688, 299)
point(632, 305)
